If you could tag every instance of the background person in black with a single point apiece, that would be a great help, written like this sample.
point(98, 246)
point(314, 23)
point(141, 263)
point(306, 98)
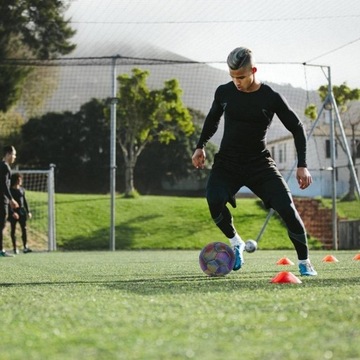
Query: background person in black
point(248, 107)
point(19, 214)
point(6, 199)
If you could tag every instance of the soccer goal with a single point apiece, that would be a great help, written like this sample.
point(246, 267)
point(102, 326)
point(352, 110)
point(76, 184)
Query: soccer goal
point(39, 188)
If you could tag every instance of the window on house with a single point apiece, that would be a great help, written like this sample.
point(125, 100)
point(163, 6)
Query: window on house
point(273, 152)
point(280, 155)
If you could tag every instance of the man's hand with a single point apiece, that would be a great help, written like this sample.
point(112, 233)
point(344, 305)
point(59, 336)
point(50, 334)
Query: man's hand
point(198, 159)
point(14, 204)
point(303, 177)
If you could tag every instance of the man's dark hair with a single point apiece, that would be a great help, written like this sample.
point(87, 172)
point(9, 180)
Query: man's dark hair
point(8, 149)
point(15, 179)
point(240, 57)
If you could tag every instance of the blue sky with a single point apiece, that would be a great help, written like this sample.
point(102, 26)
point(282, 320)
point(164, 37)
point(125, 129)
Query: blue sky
point(283, 34)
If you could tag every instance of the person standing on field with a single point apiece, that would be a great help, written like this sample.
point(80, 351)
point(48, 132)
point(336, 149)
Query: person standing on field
point(248, 107)
point(9, 156)
point(20, 214)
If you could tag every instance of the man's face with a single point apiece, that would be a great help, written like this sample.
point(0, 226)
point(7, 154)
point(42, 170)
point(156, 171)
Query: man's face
point(243, 78)
point(10, 157)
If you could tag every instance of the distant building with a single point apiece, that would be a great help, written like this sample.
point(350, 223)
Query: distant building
point(319, 161)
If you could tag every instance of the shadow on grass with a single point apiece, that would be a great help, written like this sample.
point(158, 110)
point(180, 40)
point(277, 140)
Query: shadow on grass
point(196, 284)
point(100, 240)
point(189, 284)
point(86, 199)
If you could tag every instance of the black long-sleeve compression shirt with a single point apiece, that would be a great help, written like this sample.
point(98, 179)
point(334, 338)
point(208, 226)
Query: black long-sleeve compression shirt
point(248, 117)
point(5, 174)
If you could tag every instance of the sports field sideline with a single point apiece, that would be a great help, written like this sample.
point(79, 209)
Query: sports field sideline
point(159, 305)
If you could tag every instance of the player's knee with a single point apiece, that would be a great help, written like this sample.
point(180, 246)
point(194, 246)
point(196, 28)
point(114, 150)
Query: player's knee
point(216, 203)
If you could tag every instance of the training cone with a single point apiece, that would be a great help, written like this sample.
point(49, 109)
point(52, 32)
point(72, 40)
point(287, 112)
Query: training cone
point(286, 277)
point(356, 257)
point(330, 258)
point(284, 261)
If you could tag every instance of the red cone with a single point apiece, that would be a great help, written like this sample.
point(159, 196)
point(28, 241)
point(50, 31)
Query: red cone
point(330, 258)
point(356, 257)
point(285, 277)
point(284, 261)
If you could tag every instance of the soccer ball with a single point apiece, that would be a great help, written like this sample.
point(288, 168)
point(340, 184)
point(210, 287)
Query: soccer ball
point(217, 259)
point(250, 246)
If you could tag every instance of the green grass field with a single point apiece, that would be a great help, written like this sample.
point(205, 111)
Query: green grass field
point(150, 300)
point(161, 222)
point(156, 222)
point(159, 305)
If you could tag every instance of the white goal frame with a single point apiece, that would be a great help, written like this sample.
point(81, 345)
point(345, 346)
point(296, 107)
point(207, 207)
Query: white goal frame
point(51, 228)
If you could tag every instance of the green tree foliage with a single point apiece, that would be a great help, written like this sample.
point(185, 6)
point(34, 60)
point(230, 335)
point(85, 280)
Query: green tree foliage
point(152, 170)
point(311, 112)
point(38, 87)
point(10, 125)
point(342, 94)
point(146, 116)
point(77, 143)
point(29, 29)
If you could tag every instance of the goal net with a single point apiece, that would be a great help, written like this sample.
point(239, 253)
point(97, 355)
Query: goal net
point(198, 81)
point(39, 193)
point(78, 80)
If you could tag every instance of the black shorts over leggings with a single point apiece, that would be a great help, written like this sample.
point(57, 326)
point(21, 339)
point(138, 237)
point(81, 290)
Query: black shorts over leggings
point(262, 177)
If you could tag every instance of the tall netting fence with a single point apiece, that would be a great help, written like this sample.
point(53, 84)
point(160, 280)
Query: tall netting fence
point(66, 84)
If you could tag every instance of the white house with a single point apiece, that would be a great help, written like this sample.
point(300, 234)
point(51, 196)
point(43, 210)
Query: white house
point(319, 161)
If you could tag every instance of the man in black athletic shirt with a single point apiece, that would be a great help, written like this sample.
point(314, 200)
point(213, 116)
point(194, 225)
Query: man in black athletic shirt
point(6, 198)
point(248, 107)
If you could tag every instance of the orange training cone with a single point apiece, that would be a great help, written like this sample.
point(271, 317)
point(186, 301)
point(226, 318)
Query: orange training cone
point(285, 277)
point(284, 261)
point(330, 258)
point(356, 257)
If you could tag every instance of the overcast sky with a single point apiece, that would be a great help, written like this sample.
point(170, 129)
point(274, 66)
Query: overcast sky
point(286, 33)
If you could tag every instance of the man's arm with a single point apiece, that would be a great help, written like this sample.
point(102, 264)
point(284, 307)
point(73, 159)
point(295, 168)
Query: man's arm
point(210, 126)
point(292, 122)
point(4, 182)
point(211, 122)
point(4, 185)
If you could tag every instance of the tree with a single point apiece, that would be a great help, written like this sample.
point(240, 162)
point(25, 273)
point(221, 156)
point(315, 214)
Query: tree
point(77, 143)
point(29, 29)
point(347, 102)
point(146, 116)
point(152, 169)
point(38, 86)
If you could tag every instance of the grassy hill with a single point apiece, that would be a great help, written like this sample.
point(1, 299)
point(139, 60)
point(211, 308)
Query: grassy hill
point(157, 222)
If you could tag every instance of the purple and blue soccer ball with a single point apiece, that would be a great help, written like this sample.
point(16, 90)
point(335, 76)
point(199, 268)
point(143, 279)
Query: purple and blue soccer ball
point(217, 259)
